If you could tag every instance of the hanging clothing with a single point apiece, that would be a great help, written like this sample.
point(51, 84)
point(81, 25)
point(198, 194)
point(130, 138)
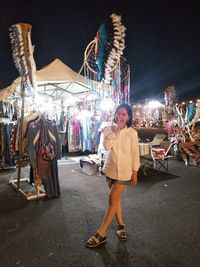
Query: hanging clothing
point(74, 135)
point(85, 129)
point(43, 133)
point(25, 161)
point(6, 159)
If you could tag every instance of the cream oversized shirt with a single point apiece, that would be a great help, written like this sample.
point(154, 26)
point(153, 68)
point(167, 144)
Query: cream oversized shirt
point(122, 155)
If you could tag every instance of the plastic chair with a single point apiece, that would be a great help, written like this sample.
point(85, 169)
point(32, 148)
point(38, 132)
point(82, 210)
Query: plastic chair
point(149, 161)
point(160, 157)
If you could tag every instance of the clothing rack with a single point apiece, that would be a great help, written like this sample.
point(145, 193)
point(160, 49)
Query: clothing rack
point(36, 192)
point(33, 194)
point(22, 52)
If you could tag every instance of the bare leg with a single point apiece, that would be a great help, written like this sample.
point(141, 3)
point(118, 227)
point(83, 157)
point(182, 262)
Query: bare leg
point(114, 206)
point(118, 215)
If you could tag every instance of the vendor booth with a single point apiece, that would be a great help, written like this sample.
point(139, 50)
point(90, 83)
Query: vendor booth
point(43, 106)
point(56, 80)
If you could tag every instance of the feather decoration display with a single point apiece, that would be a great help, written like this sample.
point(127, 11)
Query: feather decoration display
point(180, 119)
point(101, 54)
point(121, 81)
point(191, 112)
point(170, 95)
point(22, 52)
point(197, 114)
point(110, 46)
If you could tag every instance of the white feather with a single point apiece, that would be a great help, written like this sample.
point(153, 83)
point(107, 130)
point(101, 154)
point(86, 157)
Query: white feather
point(116, 44)
point(123, 28)
point(118, 37)
point(116, 19)
point(117, 24)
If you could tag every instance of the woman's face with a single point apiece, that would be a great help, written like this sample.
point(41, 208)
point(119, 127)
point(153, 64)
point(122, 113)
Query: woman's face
point(121, 117)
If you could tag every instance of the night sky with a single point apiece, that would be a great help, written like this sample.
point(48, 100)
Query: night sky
point(162, 40)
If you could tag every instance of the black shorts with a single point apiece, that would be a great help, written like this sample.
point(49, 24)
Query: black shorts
point(114, 181)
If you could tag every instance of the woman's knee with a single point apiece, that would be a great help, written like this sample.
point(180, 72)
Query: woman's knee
point(112, 200)
point(115, 195)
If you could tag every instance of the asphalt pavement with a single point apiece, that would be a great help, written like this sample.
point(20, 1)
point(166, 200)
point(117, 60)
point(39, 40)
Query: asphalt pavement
point(162, 217)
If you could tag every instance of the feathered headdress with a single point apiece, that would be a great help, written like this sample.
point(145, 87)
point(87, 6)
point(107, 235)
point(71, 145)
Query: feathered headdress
point(110, 45)
point(22, 52)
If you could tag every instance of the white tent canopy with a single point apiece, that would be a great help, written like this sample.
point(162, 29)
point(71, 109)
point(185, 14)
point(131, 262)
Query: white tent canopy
point(7, 91)
point(57, 80)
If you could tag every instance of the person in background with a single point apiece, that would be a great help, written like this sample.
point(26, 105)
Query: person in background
point(120, 167)
point(105, 122)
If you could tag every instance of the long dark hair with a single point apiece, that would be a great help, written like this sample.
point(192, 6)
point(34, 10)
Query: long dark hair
point(129, 111)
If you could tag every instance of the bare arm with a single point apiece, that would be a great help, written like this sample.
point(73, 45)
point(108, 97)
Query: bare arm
point(134, 178)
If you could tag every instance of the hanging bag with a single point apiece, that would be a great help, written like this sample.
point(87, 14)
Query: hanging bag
point(46, 148)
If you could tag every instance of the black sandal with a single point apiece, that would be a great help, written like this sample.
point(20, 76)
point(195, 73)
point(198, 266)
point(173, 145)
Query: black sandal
point(95, 241)
point(121, 233)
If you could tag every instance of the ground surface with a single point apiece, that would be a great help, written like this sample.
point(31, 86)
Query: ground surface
point(162, 216)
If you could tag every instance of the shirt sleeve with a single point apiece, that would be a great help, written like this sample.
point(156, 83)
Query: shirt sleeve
point(109, 138)
point(135, 152)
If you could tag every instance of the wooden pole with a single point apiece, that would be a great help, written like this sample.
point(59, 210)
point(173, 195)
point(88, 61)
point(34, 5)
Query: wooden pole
point(22, 92)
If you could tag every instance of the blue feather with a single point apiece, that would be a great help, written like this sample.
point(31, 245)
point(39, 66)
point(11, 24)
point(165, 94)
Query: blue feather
point(102, 43)
point(191, 112)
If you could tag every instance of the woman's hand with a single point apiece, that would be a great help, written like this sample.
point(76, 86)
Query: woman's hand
point(134, 178)
point(107, 131)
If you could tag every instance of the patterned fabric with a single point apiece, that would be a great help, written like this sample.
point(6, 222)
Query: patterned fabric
point(6, 159)
point(45, 171)
point(74, 135)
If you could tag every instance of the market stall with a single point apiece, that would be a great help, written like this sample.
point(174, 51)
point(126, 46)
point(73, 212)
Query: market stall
point(71, 102)
point(33, 140)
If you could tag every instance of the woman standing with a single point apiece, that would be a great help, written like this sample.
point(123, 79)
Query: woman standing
point(120, 167)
